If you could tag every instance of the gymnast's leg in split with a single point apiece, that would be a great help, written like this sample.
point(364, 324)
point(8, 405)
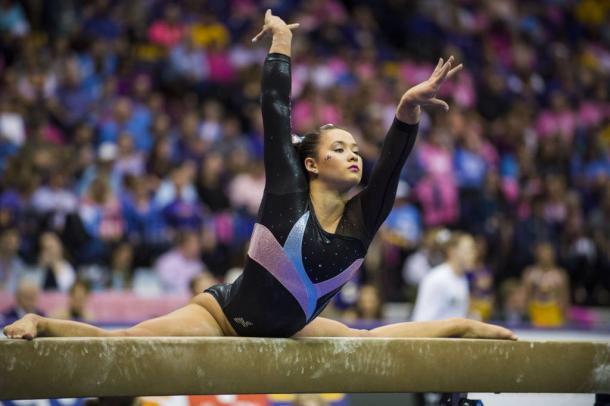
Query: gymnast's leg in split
point(201, 317)
point(455, 327)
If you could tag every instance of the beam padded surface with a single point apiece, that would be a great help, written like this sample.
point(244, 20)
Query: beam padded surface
point(75, 367)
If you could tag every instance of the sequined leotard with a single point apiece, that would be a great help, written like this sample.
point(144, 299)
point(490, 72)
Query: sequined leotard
point(294, 267)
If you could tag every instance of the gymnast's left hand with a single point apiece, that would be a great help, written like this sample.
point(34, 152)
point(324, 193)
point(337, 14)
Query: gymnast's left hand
point(25, 328)
point(424, 94)
point(477, 329)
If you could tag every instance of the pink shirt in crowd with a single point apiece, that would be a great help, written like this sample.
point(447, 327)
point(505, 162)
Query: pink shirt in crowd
point(221, 70)
point(175, 271)
point(164, 34)
point(563, 123)
point(306, 115)
point(437, 189)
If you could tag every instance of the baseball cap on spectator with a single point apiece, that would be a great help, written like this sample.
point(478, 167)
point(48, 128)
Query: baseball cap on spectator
point(107, 151)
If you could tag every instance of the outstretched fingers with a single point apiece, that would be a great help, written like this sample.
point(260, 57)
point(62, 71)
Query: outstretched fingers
point(454, 71)
point(439, 65)
point(260, 34)
point(445, 69)
point(442, 70)
point(270, 22)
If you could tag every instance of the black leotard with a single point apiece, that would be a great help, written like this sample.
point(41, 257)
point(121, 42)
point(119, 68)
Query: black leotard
point(294, 267)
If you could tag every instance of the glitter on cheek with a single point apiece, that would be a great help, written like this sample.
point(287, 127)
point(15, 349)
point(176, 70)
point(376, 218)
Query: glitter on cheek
point(327, 157)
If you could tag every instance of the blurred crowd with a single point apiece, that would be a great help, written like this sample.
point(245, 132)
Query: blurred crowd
point(131, 141)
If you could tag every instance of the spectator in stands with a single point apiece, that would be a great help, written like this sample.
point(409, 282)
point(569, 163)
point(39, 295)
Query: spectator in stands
point(104, 167)
point(56, 199)
point(160, 160)
point(57, 272)
point(102, 218)
point(169, 30)
point(177, 267)
point(179, 186)
point(12, 19)
point(78, 299)
point(130, 161)
point(26, 301)
point(123, 120)
point(178, 197)
point(579, 254)
point(252, 180)
point(120, 276)
point(600, 226)
point(211, 183)
point(147, 228)
point(471, 167)
point(403, 226)
point(443, 293)
point(12, 126)
point(428, 256)
point(368, 307)
point(437, 188)
point(513, 303)
point(188, 64)
point(481, 280)
point(530, 231)
point(73, 101)
point(547, 289)
point(15, 203)
point(12, 266)
point(399, 234)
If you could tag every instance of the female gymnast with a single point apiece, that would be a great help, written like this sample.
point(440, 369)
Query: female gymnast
point(309, 238)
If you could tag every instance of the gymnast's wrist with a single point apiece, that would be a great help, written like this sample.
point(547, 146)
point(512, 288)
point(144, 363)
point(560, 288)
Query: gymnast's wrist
point(281, 42)
point(282, 33)
point(38, 322)
point(408, 112)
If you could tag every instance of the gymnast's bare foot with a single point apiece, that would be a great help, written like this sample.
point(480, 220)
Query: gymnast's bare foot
point(26, 327)
point(477, 329)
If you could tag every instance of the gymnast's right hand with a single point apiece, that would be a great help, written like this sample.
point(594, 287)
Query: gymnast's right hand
point(26, 327)
point(275, 25)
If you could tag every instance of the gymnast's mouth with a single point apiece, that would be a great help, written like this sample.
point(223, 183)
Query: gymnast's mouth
point(354, 168)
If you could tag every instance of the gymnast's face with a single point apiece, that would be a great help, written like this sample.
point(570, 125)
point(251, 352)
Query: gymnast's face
point(338, 161)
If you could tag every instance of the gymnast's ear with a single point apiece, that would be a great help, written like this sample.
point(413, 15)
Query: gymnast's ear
point(311, 165)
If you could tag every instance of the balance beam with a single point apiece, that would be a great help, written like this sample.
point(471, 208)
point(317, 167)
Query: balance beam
point(82, 367)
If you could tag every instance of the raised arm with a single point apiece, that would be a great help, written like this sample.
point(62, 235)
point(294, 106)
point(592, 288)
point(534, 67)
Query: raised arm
point(282, 167)
point(378, 197)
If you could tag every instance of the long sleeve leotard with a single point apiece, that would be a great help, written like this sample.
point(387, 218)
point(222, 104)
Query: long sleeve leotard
point(294, 267)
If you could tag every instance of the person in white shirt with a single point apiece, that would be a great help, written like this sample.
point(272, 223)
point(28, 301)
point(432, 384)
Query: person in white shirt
point(443, 293)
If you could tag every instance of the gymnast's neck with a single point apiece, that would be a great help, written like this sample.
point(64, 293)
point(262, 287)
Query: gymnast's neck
point(328, 202)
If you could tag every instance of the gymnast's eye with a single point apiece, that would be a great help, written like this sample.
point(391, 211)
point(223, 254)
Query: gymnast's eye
point(339, 150)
